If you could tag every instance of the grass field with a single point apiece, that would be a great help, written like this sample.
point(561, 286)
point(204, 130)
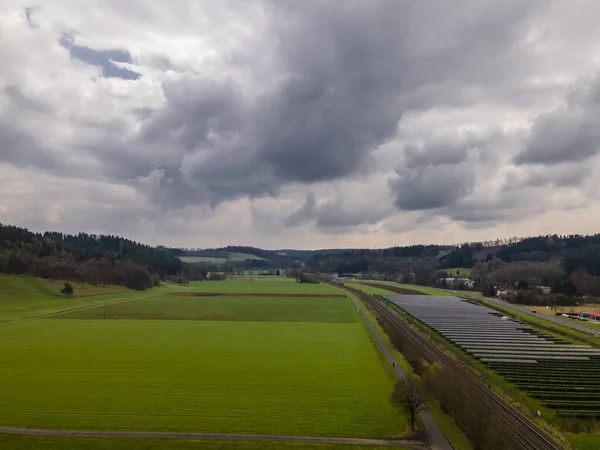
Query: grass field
point(11, 442)
point(459, 271)
point(272, 285)
point(297, 366)
point(232, 256)
point(251, 309)
point(24, 296)
point(584, 441)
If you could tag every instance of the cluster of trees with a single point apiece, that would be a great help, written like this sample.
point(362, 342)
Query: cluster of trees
point(95, 259)
point(304, 277)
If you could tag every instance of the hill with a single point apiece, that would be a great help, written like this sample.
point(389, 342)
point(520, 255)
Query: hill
point(86, 258)
point(239, 258)
point(26, 296)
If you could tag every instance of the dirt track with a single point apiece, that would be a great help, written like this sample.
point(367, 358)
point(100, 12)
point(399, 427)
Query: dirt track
point(212, 436)
point(251, 294)
point(396, 289)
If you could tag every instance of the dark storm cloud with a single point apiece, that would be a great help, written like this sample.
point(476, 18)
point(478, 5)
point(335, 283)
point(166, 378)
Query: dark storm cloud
point(346, 72)
point(445, 149)
point(439, 172)
point(431, 186)
point(101, 58)
point(571, 132)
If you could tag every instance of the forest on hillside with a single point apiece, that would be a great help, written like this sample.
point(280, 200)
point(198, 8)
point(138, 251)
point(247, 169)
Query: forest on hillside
point(568, 264)
point(89, 258)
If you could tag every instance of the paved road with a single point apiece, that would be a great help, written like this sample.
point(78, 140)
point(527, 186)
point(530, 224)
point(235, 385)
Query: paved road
point(574, 326)
point(212, 436)
point(436, 436)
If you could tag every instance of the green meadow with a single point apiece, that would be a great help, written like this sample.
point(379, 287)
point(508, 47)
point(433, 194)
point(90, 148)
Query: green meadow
point(227, 308)
point(24, 296)
point(270, 286)
point(266, 365)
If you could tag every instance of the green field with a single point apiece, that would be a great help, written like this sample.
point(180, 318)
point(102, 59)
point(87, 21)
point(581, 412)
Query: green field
point(24, 296)
point(11, 442)
point(264, 286)
point(232, 256)
point(584, 441)
point(272, 365)
point(251, 309)
point(462, 271)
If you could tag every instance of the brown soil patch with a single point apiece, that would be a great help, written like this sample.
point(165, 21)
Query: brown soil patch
point(252, 294)
point(395, 289)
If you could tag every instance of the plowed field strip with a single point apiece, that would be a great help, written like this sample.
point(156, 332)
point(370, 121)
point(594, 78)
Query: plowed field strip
point(252, 294)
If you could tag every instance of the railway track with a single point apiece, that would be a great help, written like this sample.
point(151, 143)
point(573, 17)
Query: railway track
point(524, 433)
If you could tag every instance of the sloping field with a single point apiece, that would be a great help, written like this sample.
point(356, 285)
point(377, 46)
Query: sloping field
point(24, 296)
point(232, 308)
point(563, 376)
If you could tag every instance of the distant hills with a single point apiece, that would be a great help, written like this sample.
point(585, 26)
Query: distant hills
point(249, 257)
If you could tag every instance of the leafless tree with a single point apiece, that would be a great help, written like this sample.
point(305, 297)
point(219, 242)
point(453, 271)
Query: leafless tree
point(407, 396)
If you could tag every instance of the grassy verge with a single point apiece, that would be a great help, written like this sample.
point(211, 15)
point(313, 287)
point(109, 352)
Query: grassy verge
point(15, 442)
point(432, 291)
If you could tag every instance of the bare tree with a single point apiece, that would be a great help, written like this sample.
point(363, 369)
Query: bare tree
point(407, 396)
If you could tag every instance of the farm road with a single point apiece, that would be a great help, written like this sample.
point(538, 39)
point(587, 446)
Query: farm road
point(212, 436)
point(436, 435)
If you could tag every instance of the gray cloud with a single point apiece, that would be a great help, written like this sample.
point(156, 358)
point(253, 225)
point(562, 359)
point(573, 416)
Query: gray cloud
point(559, 175)
point(431, 186)
point(571, 132)
point(281, 98)
point(105, 59)
point(336, 214)
point(345, 74)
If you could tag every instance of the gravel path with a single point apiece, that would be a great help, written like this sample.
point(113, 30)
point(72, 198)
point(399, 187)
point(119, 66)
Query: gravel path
point(212, 436)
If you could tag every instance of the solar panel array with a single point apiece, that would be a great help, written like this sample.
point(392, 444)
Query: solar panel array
point(485, 334)
point(562, 375)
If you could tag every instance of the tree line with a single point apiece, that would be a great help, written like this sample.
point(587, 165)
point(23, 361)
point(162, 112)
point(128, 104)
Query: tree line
point(88, 258)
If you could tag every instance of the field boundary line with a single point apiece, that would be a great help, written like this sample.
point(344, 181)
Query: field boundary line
point(83, 308)
point(434, 432)
point(211, 436)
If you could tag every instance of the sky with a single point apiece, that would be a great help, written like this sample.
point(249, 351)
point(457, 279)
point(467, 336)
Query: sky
point(300, 124)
